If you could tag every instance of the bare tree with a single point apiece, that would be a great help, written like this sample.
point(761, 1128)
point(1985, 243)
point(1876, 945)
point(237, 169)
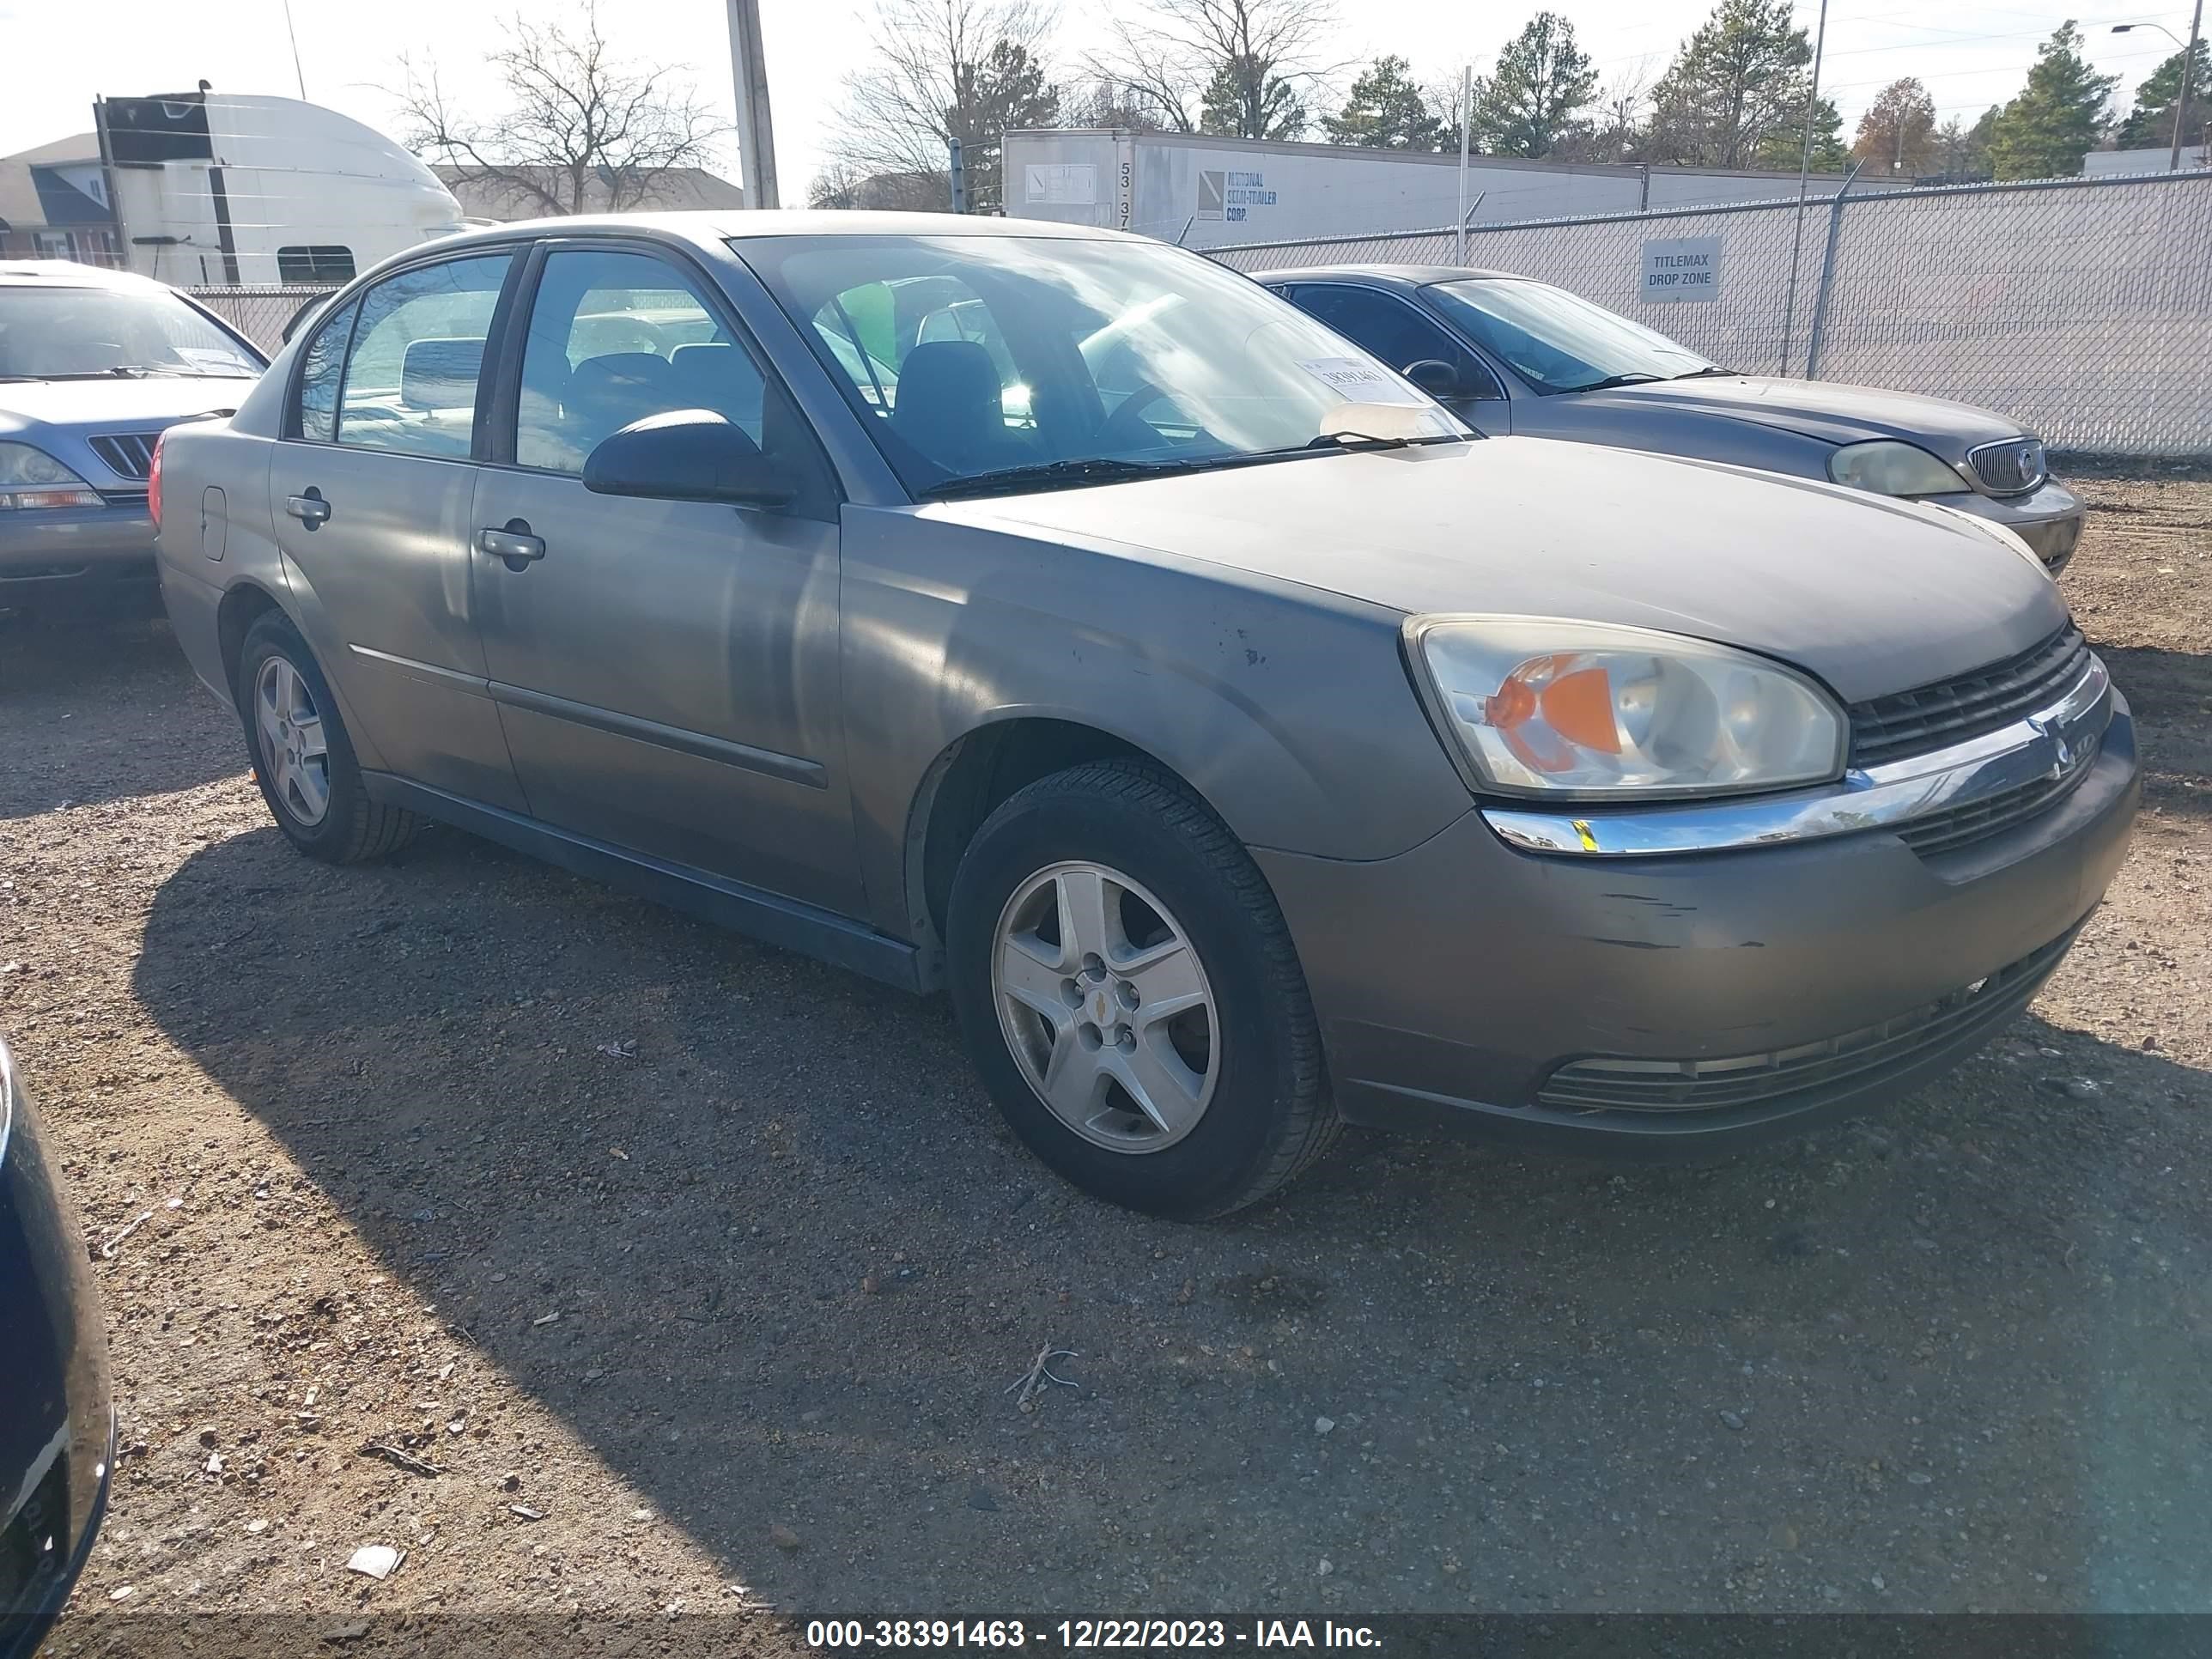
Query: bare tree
point(1243, 68)
point(969, 70)
point(1614, 131)
point(583, 130)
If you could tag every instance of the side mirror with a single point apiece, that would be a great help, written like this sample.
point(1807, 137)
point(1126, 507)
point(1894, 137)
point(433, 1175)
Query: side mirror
point(685, 455)
point(1440, 379)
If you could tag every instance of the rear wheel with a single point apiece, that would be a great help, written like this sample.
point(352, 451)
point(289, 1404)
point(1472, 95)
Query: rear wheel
point(302, 757)
point(1130, 994)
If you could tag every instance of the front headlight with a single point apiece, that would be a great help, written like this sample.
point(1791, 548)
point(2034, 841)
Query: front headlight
point(1541, 706)
point(32, 478)
point(1890, 468)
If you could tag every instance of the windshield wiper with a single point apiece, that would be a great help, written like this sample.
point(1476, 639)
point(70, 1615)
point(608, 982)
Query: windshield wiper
point(1613, 381)
point(1096, 469)
point(1369, 440)
point(1700, 373)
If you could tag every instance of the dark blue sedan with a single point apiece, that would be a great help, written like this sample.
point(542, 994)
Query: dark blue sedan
point(57, 1425)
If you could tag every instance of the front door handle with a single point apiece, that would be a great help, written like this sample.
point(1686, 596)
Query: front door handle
point(310, 509)
point(513, 543)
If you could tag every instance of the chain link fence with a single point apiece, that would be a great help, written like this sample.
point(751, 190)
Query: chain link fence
point(260, 313)
point(2082, 307)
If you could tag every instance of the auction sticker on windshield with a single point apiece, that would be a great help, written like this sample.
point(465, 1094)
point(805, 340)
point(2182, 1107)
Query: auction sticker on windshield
point(1361, 382)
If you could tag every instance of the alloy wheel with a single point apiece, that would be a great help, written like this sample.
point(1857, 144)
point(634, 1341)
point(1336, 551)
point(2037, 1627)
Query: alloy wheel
point(1106, 1007)
point(294, 754)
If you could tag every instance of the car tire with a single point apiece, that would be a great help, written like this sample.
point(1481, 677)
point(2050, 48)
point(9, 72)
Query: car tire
point(1239, 1099)
point(318, 799)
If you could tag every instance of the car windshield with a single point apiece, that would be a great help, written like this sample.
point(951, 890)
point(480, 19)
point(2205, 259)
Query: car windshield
point(1557, 341)
point(53, 333)
point(983, 361)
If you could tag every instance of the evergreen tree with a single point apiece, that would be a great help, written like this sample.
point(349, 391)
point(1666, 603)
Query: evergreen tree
point(1386, 110)
point(2149, 125)
point(2045, 131)
point(1536, 95)
point(1247, 99)
point(1739, 81)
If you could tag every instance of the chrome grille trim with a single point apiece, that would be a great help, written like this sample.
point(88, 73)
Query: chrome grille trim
point(1930, 717)
point(2012, 466)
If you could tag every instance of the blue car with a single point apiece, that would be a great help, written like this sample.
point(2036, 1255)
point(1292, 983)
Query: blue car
point(94, 365)
point(57, 1424)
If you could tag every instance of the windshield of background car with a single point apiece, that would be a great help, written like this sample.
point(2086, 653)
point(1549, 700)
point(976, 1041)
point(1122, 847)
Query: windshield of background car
point(976, 354)
point(1558, 341)
point(64, 333)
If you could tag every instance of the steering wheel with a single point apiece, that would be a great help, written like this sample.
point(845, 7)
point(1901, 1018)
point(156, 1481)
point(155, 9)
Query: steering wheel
point(1123, 429)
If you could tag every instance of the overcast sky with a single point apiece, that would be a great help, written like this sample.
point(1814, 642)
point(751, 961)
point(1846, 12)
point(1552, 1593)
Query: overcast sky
point(54, 56)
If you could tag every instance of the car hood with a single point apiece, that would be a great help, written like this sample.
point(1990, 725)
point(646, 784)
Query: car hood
point(112, 405)
point(1817, 408)
point(1871, 595)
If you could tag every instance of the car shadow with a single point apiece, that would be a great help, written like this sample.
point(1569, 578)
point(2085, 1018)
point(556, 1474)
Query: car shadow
point(1956, 1353)
point(103, 712)
point(2171, 693)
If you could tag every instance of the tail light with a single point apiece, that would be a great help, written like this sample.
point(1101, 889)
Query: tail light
point(153, 482)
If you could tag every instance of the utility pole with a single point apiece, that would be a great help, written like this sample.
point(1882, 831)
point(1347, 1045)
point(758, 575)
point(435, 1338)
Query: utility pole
point(1465, 137)
point(2188, 63)
point(756, 134)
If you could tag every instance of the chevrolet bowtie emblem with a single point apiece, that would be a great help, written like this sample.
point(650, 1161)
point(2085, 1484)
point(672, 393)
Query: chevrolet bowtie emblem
point(2062, 751)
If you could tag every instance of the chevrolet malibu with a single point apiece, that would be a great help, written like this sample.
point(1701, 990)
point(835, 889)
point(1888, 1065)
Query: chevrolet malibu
point(1054, 617)
point(1515, 355)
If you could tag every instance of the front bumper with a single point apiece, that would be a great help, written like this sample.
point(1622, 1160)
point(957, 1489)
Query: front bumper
point(2049, 518)
point(56, 1420)
point(1466, 984)
point(78, 559)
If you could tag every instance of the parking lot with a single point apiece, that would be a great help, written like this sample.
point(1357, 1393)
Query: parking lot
point(683, 1278)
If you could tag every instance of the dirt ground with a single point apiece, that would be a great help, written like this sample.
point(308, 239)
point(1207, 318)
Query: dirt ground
point(698, 1274)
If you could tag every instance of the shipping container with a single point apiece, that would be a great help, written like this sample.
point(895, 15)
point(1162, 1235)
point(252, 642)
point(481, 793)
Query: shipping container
point(1206, 192)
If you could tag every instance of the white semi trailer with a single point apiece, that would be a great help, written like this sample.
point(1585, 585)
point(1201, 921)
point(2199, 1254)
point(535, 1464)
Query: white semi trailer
point(210, 189)
point(1206, 192)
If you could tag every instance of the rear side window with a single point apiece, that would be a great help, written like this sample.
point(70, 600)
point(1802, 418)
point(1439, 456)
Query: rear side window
point(316, 263)
point(320, 367)
point(615, 337)
point(418, 354)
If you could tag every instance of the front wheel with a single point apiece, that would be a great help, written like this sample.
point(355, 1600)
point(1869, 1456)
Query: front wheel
point(1129, 992)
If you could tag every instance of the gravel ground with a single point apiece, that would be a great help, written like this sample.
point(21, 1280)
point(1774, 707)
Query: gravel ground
point(722, 1323)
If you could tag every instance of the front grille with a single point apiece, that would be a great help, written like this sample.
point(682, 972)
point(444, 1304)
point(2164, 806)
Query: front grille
point(2010, 467)
point(130, 454)
point(1936, 716)
point(1803, 1075)
point(1953, 828)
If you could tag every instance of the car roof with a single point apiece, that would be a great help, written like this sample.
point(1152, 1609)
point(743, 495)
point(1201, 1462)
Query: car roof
point(1382, 274)
point(718, 224)
point(67, 273)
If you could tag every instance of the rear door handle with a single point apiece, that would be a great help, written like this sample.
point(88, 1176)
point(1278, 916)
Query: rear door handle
point(513, 543)
point(310, 509)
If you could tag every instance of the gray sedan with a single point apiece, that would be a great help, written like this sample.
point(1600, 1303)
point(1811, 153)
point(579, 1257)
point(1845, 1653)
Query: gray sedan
point(1515, 355)
point(1056, 618)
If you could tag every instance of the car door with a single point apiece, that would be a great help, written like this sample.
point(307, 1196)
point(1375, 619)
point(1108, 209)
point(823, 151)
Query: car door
point(666, 671)
point(1401, 334)
point(372, 494)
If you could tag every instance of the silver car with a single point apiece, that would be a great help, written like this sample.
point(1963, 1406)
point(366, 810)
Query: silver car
point(1056, 618)
point(93, 366)
point(1514, 356)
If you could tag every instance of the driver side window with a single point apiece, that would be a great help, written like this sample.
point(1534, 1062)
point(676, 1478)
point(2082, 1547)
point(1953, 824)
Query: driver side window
point(1392, 330)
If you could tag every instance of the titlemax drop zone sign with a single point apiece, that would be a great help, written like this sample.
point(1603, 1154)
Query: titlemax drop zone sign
point(1682, 268)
